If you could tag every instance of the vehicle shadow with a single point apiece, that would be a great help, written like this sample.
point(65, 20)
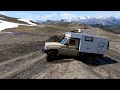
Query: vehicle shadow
point(97, 62)
point(100, 61)
point(104, 60)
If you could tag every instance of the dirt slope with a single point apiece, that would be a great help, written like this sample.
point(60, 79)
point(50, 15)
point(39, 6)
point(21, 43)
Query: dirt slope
point(21, 57)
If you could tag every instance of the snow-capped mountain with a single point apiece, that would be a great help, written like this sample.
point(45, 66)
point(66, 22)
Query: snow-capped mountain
point(91, 20)
point(102, 21)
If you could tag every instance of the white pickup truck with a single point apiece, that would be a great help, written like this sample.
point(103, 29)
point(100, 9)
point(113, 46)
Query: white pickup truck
point(77, 44)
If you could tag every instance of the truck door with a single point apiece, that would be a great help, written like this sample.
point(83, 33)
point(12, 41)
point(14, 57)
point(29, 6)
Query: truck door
point(71, 47)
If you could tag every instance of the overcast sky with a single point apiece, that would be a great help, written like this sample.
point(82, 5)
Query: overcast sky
point(56, 15)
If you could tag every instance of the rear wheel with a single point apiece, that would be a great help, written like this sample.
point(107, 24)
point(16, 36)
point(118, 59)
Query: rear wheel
point(90, 60)
point(51, 56)
point(101, 55)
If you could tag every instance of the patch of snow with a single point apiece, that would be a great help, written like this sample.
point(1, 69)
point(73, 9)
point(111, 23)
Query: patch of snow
point(25, 20)
point(5, 25)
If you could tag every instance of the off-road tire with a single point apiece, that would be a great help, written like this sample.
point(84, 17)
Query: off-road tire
point(89, 60)
point(51, 56)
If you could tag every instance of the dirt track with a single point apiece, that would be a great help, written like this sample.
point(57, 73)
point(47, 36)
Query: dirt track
point(32, 65)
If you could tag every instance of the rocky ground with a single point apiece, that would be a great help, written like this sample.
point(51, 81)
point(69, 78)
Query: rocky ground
point(21, 58)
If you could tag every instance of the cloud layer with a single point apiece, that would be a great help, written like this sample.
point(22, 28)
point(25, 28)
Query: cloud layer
point(65, 15)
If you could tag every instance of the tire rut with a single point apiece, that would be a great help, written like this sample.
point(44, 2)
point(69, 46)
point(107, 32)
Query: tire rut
point(33, 71)
point(12, 65)
point(8, 70)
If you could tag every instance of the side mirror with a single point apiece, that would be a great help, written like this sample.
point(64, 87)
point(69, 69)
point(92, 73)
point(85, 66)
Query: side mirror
point(67, 43)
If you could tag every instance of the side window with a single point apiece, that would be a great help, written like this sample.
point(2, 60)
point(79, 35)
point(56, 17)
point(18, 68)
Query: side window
point(74, 42)
point(90, 39)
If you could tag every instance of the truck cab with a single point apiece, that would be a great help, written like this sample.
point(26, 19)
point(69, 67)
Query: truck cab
point(76, 44)
point(67, 47)
point(70, 46)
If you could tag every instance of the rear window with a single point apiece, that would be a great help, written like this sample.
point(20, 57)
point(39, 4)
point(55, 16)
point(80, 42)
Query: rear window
point(89, 39)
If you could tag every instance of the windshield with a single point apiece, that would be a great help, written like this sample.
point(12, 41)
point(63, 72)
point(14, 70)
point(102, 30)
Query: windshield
point(63, 41)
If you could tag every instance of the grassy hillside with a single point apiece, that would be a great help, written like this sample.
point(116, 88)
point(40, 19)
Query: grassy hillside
point(45, 29)
point(112, 37)
point(113, 29)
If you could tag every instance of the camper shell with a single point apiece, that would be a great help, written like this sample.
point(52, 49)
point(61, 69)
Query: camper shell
point(90, 43)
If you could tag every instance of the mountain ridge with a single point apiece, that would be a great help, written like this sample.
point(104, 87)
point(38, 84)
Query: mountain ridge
point(102, 21)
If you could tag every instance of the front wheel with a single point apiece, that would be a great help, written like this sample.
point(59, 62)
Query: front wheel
point(51, 56)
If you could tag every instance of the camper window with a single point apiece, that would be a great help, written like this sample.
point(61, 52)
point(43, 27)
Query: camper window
point(89, 39)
